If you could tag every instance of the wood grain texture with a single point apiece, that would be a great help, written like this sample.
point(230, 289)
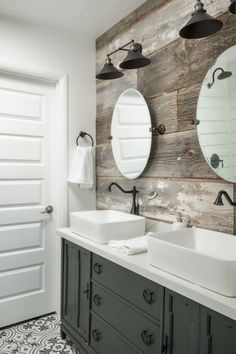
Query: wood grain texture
point(172, 155)
point(192, 198)
point(163, 110)
point(176, 169)
point(187, 106)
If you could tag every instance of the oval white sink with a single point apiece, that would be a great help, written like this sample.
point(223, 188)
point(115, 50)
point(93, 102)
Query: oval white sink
point(104, 225)
point(204, 257)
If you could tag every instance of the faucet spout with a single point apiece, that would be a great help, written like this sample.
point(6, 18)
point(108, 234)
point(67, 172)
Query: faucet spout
point(219, 200)
point(118, 186)
point(135, 206)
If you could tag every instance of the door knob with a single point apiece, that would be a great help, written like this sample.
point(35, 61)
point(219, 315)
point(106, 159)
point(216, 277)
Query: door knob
point(47, 210)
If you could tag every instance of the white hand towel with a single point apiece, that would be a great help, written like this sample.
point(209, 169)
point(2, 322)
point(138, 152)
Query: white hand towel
point(81, 171)
point(132, 246)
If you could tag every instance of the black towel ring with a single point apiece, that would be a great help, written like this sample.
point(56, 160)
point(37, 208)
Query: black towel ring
point(82, 135)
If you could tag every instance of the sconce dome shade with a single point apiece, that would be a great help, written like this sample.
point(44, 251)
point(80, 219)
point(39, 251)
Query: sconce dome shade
point(232, 7)
point(134, 60)
point(200, 25)
point(109, 72)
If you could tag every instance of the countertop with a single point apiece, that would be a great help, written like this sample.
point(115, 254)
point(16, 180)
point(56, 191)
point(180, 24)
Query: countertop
point(139, 264)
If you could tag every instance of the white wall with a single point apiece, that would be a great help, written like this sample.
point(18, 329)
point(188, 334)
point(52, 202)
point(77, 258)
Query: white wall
point(64, 53)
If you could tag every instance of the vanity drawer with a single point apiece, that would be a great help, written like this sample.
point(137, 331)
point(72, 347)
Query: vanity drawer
point(129, 321)
point(105, 340)
point(141, 292)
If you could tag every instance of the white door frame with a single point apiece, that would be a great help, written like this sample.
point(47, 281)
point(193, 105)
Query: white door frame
point(61, 146)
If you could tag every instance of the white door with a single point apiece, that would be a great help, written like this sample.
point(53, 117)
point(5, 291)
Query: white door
point(27, 164)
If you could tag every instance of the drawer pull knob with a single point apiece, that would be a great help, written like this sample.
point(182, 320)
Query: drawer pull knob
point(147, 337)
point(97, 335)
point(97, 268)
point(149, 296)
point(97, 299)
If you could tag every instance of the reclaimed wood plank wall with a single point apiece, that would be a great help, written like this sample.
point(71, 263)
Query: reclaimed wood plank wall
point(170, 84)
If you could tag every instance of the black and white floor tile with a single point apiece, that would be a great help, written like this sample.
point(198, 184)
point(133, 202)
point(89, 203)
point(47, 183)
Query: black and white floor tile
point(38, 336)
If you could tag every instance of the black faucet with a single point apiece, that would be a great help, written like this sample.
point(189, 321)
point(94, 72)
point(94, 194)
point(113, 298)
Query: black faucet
point(135, 206)
point(219, 200)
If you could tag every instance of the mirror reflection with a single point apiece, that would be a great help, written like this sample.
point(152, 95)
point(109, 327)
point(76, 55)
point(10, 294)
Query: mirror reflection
point(216, 113)
point(131, 133)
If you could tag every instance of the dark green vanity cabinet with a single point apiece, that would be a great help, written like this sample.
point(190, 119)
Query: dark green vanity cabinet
point(180, 334)
point(217, 333)
point(129, 303)
point(107, 309)
point(75, 301)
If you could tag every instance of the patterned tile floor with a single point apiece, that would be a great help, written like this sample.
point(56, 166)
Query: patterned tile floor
point(41, 336)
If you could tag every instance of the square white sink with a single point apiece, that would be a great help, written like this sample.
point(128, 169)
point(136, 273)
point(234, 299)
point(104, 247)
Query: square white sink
point(102, 226)
point(203, 257)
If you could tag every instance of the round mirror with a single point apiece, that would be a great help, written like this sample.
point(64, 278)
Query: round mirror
point(216, 113)
point(131, 133)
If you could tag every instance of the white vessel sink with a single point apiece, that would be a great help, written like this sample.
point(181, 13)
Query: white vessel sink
point(104, 225)
point(204, 257)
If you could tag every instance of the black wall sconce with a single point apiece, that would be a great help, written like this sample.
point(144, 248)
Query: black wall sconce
point(133, 60)
point(223, 75)
point(201, 24)
point(232, 7)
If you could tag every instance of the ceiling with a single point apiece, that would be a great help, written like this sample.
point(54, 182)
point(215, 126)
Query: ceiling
point(93, 17)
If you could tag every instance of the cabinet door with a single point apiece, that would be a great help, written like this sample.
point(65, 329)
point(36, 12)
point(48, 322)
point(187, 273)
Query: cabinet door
point(76, 288)
point(180, 335)
point(217, 333)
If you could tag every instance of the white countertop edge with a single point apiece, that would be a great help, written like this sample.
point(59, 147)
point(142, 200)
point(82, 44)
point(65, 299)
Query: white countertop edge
point(139, 264)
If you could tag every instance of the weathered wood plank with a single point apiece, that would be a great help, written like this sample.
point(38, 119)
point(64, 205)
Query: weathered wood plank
point(149, 6)
point(156, 30)
point(108, 93)
point(163, 110)
point(187, 106)
point(176, 168)
point(172, 155)
point(192, 198)
point(105, 162)
point(185, 62)
point(119, 27)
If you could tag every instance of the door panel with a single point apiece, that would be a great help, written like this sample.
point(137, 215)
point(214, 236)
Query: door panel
point(217, 333)
point(16, 148)
point(14, 238)
point(69, 282)
point(17, 103)
point(76, 268)
point(20, 281)
point(20, 192)
point(180, 325)
point(27, 115)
